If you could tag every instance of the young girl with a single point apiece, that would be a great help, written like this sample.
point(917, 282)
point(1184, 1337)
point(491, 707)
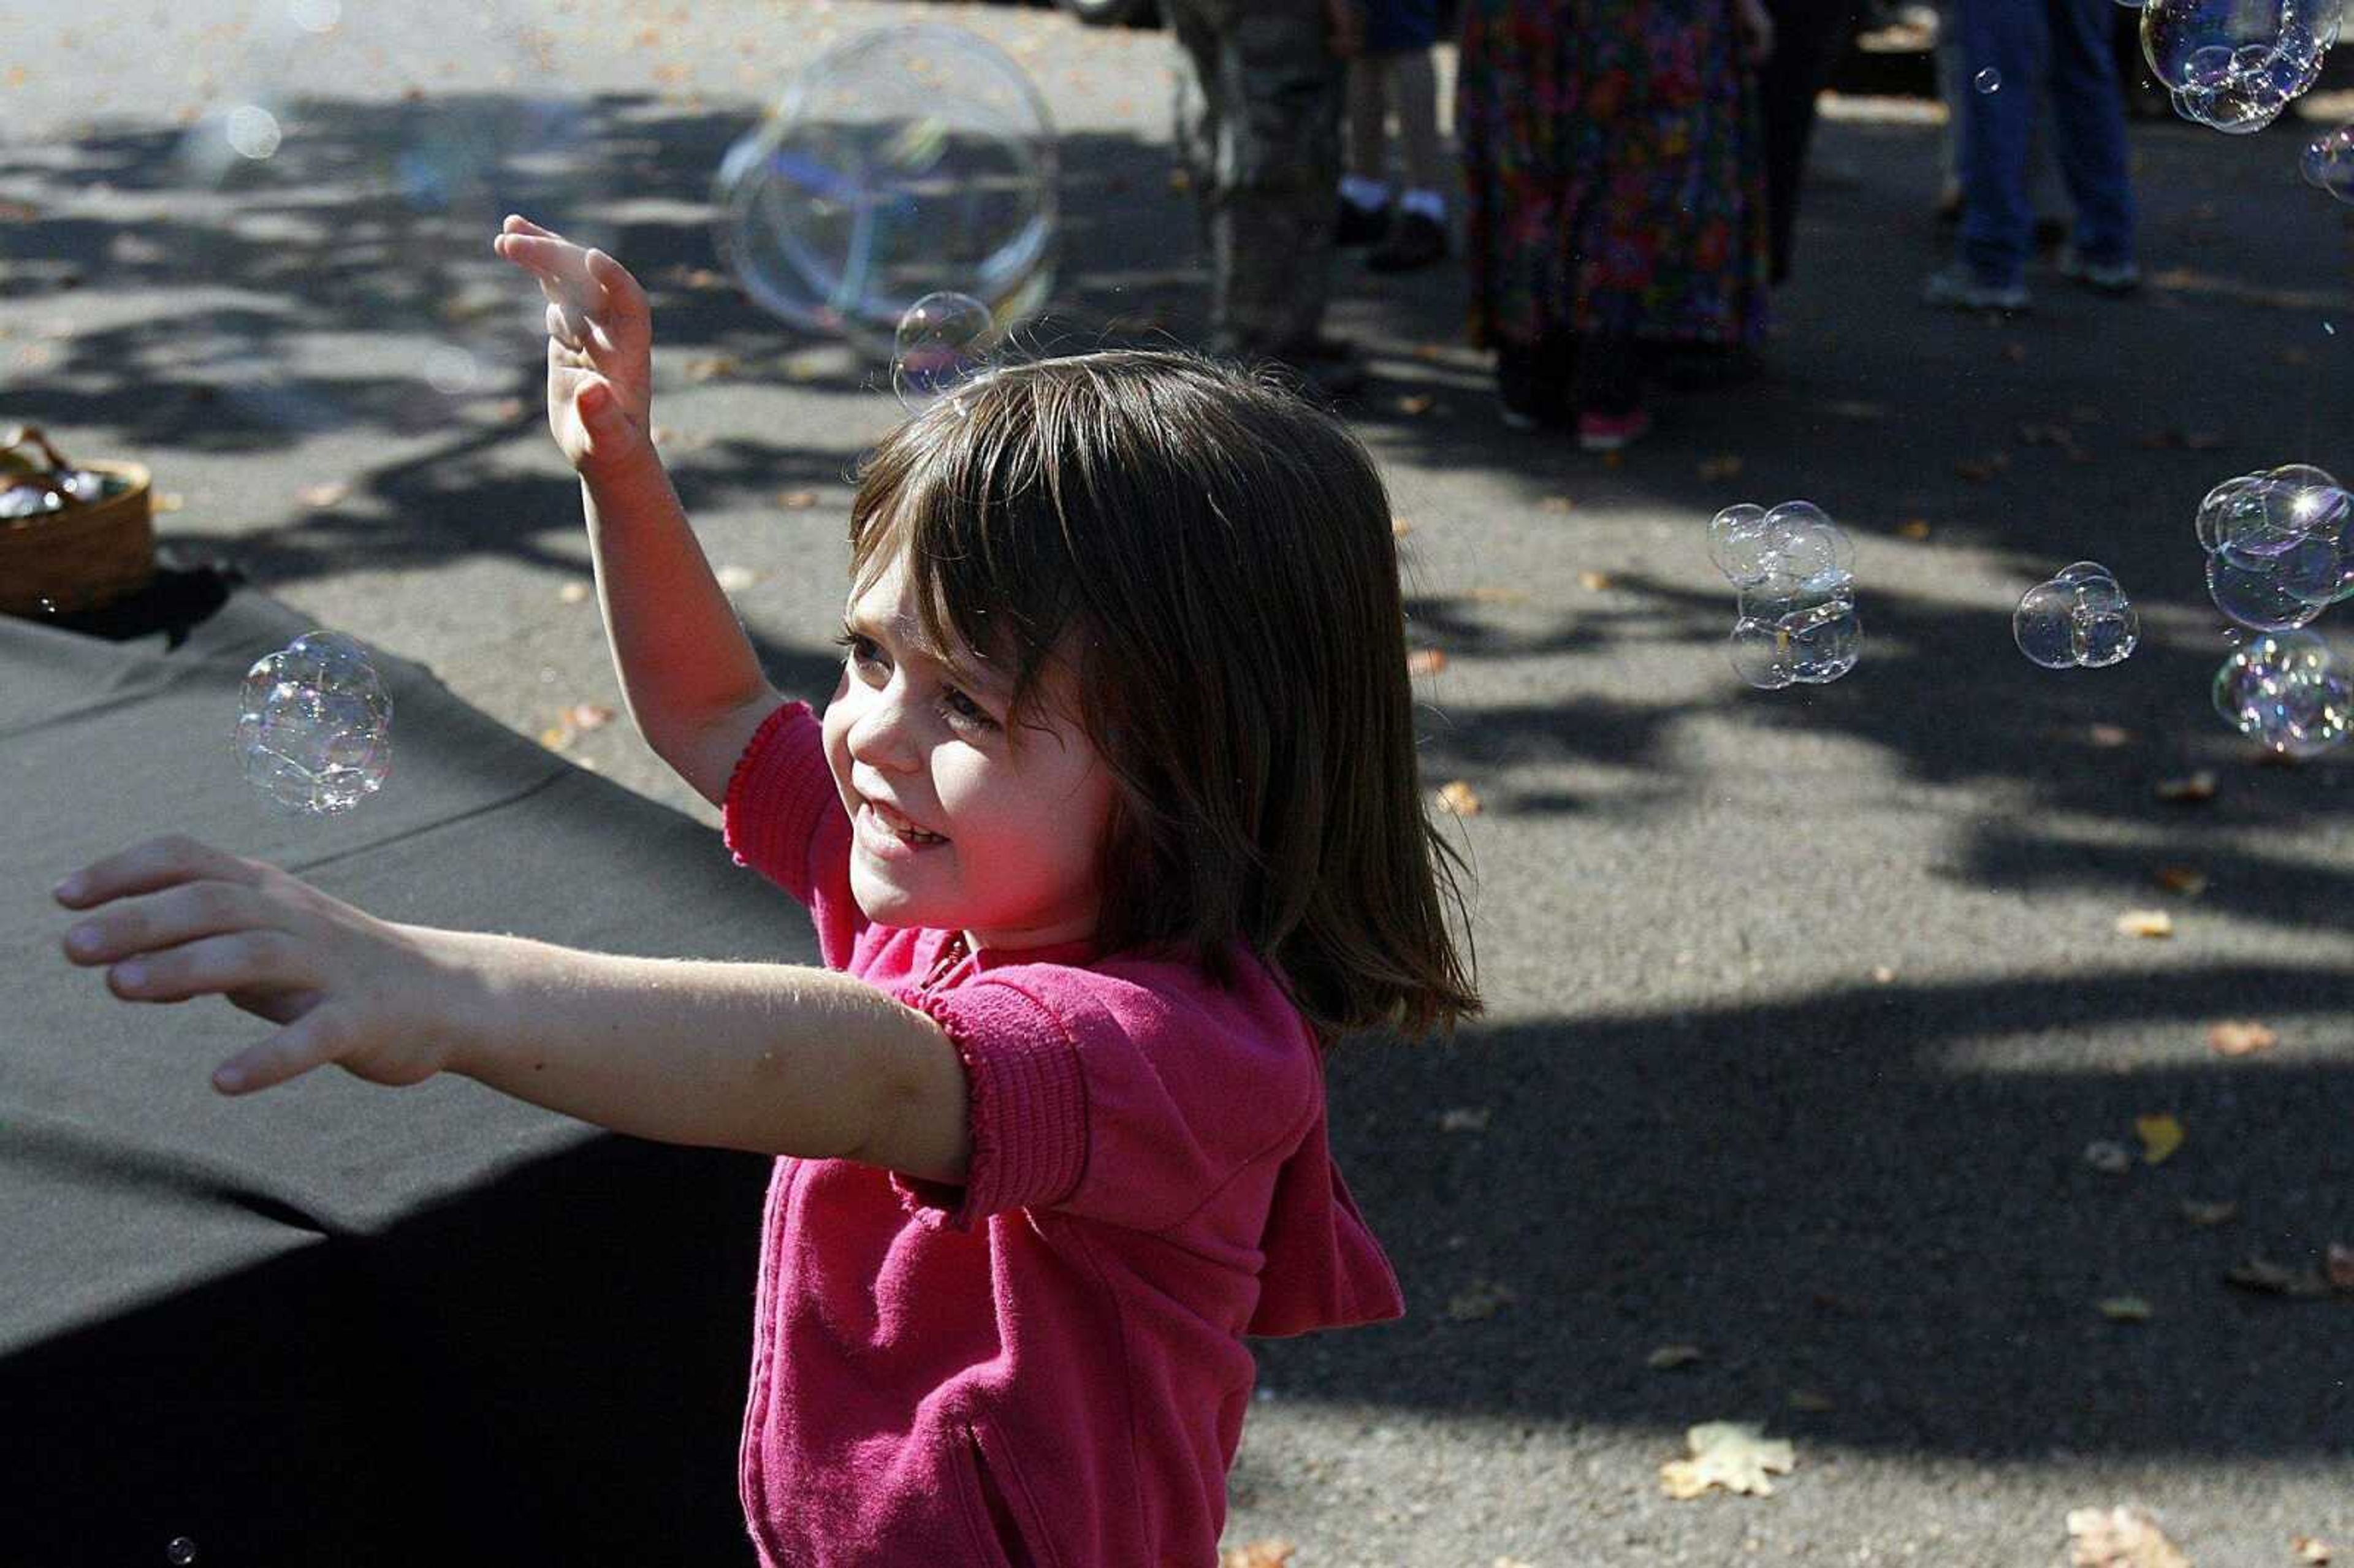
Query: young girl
point(1112, 828)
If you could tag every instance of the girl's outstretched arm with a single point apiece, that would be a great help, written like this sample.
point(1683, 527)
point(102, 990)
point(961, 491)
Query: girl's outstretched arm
point(769, 1058)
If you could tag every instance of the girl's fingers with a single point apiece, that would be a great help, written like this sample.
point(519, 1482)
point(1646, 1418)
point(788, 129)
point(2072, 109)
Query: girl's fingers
point(179, 913)
point(145, 867)
point(622, 290)
point(310, 1041)
point(568, 326)
point(546, 255)
point(236, 960)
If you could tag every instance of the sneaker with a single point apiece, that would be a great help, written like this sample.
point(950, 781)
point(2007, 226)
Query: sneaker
point(2112, 277)
point(1415, 242)
point(1598, 433)
point(1958, 287)
point(1358, 226)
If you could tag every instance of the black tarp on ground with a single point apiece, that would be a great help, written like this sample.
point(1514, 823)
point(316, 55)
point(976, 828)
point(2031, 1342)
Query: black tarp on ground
point(335, 1323)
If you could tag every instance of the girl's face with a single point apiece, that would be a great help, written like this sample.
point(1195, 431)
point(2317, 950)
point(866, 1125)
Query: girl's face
point(957, 820)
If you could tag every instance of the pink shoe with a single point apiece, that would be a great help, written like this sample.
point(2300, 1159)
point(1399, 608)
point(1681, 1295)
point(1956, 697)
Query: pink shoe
point(1610, 432)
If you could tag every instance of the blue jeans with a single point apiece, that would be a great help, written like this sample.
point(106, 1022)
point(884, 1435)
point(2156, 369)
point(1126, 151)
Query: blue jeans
point(2064, 44)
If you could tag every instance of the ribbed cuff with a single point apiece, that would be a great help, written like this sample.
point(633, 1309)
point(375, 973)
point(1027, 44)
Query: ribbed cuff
point(774, 795)
point(1027, 1111)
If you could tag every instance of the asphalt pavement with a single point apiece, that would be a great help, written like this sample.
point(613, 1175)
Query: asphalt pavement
point(1804, 1006)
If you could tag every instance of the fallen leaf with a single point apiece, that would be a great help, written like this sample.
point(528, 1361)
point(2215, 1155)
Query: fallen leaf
point(2207, 1216)
point(1429, 351)
point(1425, 661)
point(2124, 1309)
point(1557, 504)
point(2190, 788)
point(1415, 403)
point(2309, 1548)
point(167, 501)
point(2186, 880)
point(1807, 1399)
point(573, 592)
point(1614, 461)
point(18, 212)
point(2269, 1278)
point(2108, 1157)
point(735, 579)
point(712, 366)
point(1666, 1358)
point(2160, 1136)
point(1460, 798)
point(797, 500)
point(1734, 1455)
point(1722, 466)
point(1464, 1118)
point(555, 737)
point(1400, 527)
point(322, 495)
point(1257, 1554)
point(1914, 528)
point(1882, 974)
point(2015, 352)
point(589, 716)
point(2109, 737)
point(2146, 923)
point(2120, 1537)
point(1594, 582)
point(2337, 1263)
point(1483, 1298)
point(2240, 1037)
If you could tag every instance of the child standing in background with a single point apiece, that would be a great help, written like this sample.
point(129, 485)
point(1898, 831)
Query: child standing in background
point(1113, 828)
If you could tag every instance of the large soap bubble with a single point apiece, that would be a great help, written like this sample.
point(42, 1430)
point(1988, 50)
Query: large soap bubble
point(314, 726)
point(2280, 546)
point(1794, 567)
point(2285, 691)
point(905, 162)
point(2080, 618)
point(2234, 65)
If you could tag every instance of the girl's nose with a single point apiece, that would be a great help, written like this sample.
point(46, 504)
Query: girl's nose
point(882, 736)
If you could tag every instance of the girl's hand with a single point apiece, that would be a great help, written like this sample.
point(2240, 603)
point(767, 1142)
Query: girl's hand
point(178, 919)
point(600, 347)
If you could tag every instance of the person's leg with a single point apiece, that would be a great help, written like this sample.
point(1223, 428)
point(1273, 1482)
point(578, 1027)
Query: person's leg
point(1953, 92)
point(1807, 36)
point(1414, 82)
point(2006, 37)
point(2088, 109)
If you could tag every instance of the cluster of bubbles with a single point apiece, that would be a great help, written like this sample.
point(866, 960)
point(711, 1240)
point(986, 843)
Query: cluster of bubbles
point(2280, 546)
point(2284, 691)
point(2328, 164)
point(1795, 573)
point(2078, 620)
point(2234, 65)
point(903, 165)
point(314, 726)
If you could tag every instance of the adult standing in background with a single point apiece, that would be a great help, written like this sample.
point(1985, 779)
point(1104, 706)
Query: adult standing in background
point(1395, 72)
point(1614, 197)
point(1258, 123)
point(1808, 36)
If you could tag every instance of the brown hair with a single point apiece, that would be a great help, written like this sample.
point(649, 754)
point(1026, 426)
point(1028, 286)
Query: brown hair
point(1215, 560)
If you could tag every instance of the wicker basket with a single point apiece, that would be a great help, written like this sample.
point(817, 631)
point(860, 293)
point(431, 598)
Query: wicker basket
point(81, 557)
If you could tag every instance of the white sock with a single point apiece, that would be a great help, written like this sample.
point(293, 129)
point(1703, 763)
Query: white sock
point(1364, 195)
point(1430, 204)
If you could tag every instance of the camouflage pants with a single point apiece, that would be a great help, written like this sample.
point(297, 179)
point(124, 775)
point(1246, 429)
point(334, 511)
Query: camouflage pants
point(1259, 124)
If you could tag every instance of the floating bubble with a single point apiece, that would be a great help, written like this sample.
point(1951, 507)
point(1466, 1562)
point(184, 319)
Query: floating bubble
point(2328, 163)
point(315, 725)
point(2280, 546)
point(1987, 81)
point(2079, 618)
point(942, 343)
point(903, 162)
point(2285, 691)
point(1806, 634)
point(2234, 65)
point(1792, 544)
point(181, 1553)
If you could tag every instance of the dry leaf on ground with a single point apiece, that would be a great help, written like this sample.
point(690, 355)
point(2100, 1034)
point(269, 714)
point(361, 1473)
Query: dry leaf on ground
point(712, 366)
point(797, 500)
point(2309, 1548)
point(2240, 1037)
point(1459, 798)
point(167, 501)
point(574, 592)
point(2146, 923)
point(1914, 528)
point(1495, 596)
point(1400, 528)
point(2160, 1136)
point(2108, 736)
point(322, 495)
point(1883, 974)
point(1557, 504)
point(1722, 466)
point(2124, 1309)
point(2109, 1157)
point(2266, 1277)
point(1669, 1357)
point(1594, 582)
point(2187, 881)
point(2190, 789)
point(1425, 661)
point(1257, 1554)
point(1414, 404)
point(2121, 1537)
point(2206, 1214)
point(1734, 1455)
point(589, 716)
point(1481, 1299)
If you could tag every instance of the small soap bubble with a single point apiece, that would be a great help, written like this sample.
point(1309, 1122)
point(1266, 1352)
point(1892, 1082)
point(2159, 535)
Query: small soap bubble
point(905, 162)
point(2077, 619)
point(1737, 543)
point(251, 131)
point(941, 345)
point(2285, 691)
point(2329, 165)
point(314, 726)
point(182, 1551)
point(1789, 632)
point(1987, 81)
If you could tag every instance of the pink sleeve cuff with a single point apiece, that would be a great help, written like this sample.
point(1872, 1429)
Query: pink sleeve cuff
point(775, 797)
point(1027, 1112)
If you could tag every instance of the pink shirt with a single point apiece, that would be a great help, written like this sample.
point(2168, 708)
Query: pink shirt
point(1045, 1366)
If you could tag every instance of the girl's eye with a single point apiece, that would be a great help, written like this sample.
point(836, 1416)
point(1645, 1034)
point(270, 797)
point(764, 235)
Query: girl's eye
point(860, 648)
point(964, 710)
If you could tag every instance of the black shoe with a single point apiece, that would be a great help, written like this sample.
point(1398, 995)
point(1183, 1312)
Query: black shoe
point(1415, 243)
point(1359, 226)
point(1531, 387)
